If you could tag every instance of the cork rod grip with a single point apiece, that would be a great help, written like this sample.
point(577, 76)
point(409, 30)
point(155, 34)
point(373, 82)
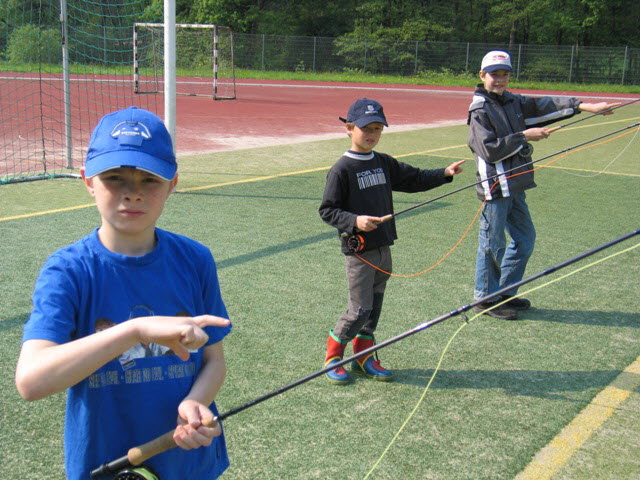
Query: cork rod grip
point(139, 454)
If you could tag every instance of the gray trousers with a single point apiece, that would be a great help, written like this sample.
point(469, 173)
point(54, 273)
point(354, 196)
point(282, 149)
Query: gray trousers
point(366, 292)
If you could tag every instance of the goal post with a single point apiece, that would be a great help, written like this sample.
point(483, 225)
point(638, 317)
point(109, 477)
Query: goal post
point(204, 60)
point(64, 64)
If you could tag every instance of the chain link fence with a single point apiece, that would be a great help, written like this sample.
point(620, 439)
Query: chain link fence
point(564, 63)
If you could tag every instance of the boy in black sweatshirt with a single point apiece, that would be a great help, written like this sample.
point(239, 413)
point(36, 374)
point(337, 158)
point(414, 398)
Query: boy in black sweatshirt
point(357, 195)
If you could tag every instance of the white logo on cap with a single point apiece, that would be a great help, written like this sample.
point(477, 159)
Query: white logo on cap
point(370, 110)
point(131, 129)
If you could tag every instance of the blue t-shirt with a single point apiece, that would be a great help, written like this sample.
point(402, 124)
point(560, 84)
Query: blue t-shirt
point(134, 398)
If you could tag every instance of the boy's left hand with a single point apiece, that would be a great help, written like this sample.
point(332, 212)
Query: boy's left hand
point(454, 169)
point(196, 427)
point(601, 107)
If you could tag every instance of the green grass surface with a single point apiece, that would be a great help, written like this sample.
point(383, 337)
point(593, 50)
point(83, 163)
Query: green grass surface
point(505, 389)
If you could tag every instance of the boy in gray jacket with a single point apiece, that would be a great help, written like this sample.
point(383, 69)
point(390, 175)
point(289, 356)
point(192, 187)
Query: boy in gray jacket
point(501, 126)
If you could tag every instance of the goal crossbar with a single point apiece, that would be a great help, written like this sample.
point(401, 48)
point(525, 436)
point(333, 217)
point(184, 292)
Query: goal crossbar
point(204, 60)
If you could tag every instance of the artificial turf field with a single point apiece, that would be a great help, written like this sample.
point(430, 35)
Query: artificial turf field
point(503, 390)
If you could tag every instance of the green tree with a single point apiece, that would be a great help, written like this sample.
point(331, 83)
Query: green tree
point(30, 44)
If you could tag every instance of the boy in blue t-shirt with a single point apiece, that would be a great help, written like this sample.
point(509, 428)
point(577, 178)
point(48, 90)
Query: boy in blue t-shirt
point(130, 318)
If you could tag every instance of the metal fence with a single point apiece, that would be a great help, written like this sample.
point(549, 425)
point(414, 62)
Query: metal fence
point(564, 63)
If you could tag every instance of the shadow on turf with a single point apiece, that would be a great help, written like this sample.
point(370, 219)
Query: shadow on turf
point(281, 197)
point(13, 322)
point(532, 383)
point(584, 317)
point(302, 242)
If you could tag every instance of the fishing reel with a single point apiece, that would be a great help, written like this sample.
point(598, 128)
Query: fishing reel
point(355, 243)
point(136, 473)
point(526, 150)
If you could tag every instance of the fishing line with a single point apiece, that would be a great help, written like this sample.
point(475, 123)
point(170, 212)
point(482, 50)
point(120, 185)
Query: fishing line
point(461, 327)
point(495, 177)
point(356, 243)
point(608, 164)
point(566, 152)
point(424, 326)
point(607, 112)
point(136, 455)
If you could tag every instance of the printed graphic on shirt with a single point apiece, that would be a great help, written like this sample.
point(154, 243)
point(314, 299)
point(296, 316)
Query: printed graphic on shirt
point(371, 178)
point(129, 374)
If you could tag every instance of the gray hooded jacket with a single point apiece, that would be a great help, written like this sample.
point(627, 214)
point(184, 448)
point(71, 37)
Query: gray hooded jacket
point(502, 154)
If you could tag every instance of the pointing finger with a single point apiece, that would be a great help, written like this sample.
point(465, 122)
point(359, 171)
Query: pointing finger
point(211, 321)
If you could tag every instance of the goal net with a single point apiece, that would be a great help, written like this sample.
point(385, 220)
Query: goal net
point(204, 60)
point(58, 78)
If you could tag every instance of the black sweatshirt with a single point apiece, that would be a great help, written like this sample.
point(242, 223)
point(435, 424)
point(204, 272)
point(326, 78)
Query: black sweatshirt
point(362, 184)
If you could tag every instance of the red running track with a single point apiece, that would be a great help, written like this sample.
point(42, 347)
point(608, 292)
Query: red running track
point(276, 112)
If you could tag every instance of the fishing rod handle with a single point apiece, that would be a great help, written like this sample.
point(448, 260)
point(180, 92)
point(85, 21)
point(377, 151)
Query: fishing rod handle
point(139, 454)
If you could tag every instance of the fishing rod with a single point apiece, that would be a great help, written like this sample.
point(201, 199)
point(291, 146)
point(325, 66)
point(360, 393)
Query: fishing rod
point(554, 129)
point(356, 242)
point(128, 467)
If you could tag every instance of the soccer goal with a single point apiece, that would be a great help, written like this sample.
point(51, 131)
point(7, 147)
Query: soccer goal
point(204, 60)
point(63, 64)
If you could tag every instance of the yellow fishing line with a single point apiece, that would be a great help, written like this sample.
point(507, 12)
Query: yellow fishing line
point(446, 348)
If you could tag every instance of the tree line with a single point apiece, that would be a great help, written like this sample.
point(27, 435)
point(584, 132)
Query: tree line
point(542, 22)
point(30, 28)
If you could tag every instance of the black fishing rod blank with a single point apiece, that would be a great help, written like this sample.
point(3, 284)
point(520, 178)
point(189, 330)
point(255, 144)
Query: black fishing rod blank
point(356, 242)
point(426, 325)
point(606, 112)
point(495, 177)
point(139, 454)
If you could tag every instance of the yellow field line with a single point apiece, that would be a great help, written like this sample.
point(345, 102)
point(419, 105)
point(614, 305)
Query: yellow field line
point(555, 455)
point(594, 171)
point(605, 123)
point(249, 180)
point(193, 189)
point(268, 177)
point(47, 212)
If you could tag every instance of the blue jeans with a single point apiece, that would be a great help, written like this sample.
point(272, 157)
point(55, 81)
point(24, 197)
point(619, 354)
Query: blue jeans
point(497, 267)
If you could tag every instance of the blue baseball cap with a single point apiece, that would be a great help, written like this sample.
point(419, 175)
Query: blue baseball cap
point(133, 138)
point(365, 111)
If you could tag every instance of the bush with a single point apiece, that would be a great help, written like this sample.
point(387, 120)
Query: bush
point(29, 44)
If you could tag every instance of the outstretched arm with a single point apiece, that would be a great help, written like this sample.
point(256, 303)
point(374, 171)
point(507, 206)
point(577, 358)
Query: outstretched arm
point(601, 107)
point(46, 367)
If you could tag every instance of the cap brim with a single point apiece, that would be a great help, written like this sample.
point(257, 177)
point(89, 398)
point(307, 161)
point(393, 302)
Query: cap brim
point(131, 159)
point(364, 121)
point(493, 68)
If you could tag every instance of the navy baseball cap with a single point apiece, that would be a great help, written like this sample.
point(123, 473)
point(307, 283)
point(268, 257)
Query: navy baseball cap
point(496, 60)
point(365, 111)
point(134, 138)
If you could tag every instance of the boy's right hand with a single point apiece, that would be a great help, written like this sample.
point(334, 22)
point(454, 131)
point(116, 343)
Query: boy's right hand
point(535, 134)
point(180, 334)
point(366, 223)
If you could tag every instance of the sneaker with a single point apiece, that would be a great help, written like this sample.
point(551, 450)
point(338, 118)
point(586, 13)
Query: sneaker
point(516, 303)
point(371, 368)
point(337, 376)
point(502, 312)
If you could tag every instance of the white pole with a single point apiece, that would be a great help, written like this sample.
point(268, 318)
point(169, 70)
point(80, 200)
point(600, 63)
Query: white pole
point(66, 86)
point(170, 68)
